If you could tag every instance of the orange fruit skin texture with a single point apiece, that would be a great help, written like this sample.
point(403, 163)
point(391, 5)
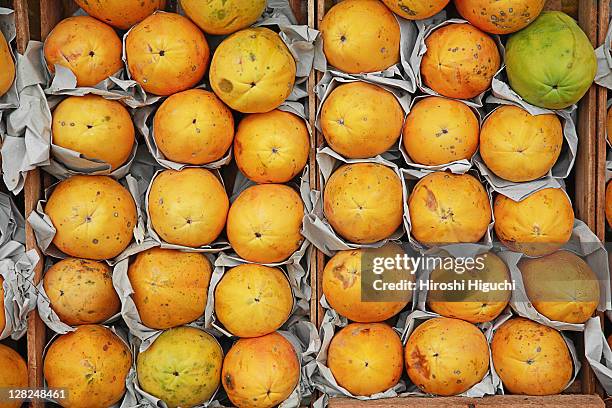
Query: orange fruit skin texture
point(439, 131)
point(561, 286)
point(188, 207)
point(255, 228)
point(609, 125)
point(446, 356)
point(95, 127)
point(94, 217)
point(2, 313)
point(518, 146)
point(7, 67)
point(87, 47)
point(170, 286)
point(222, 17)
point(253, 300)
point(475, 306)
point(253, 71)
point(182, 367)
point(360, 36)
point(81, 291)
point(342, 285)
point(260, 372)
point(531, 358)
point(166, 53)
point(14, 373)
point(500, 17)
point(121, 14)
point(460, 61)
point(361, 120)
point(416, 9)
point(271, 147)
point(91, 363)
point(363, 202)
point(609, 204)
point(449, 208)
point(366, 358)
point(193, 127)
point(536, 226)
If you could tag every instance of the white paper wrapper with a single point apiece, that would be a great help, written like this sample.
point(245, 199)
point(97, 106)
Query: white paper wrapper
point(597, 352)
point(316, 228)
point(456, 167)
point(26, 133)
point(582, 243)
point(604, 61)
point(504, 95)
point(129, 398)
point(399, 75)
point(17, 270)
point(425, 28)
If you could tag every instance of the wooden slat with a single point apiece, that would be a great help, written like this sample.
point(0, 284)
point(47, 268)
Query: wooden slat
point(585, 179)
point(601, 147)
point(498, 401)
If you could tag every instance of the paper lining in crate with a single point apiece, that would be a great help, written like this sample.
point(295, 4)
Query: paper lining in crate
point(17, 291)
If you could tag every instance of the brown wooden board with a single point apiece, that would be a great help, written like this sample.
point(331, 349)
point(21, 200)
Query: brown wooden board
point(45, 14)
point(592, 16)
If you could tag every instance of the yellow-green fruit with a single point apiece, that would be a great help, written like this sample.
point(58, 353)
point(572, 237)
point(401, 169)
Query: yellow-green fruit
point(182, 367)
point(81, 291)
point(253, 300)
point(561, 286)
point(221, 17)
point(170, 286)
point(96, 127)
point(253, 71)
point(7, 67)
point(94, 217)
point(260, 372)
point(91, 363)
point(13, 375)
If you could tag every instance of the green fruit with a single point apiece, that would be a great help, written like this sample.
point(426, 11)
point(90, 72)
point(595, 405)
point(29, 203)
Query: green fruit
point(551, 63)
point(182, 367)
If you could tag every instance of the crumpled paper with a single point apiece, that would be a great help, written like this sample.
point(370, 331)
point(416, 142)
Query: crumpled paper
point(598, 353)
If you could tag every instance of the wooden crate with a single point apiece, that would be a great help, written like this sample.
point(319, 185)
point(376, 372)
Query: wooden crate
point(45, 16)
point(591, 15)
